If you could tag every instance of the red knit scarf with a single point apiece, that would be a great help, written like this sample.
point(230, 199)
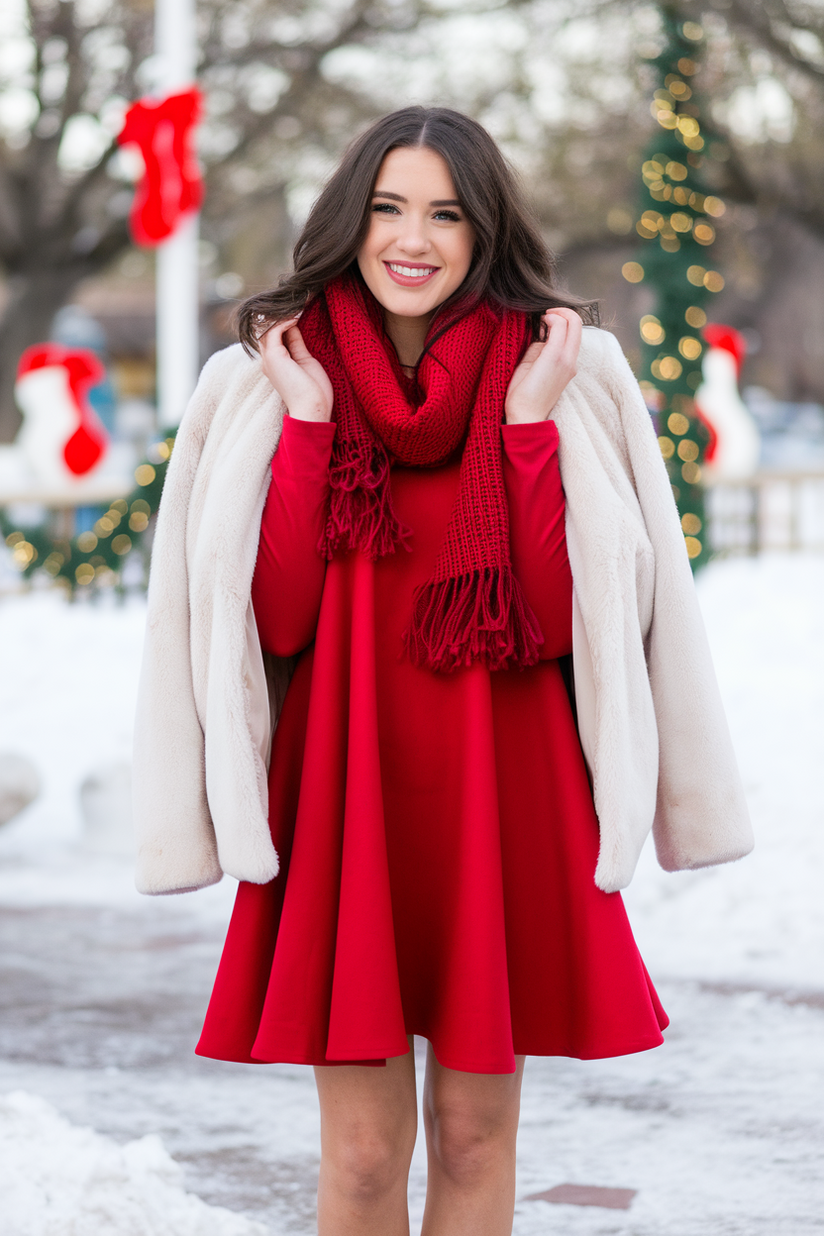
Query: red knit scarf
point(472, 607)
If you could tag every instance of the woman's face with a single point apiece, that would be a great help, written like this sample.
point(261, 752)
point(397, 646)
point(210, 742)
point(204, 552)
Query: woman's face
point(419, 247)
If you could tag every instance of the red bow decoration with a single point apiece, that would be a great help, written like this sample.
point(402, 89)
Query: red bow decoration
point(83, 370)
point(171, 185)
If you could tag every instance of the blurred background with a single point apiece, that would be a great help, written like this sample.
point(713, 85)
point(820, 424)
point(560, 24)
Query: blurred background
point(674, 155)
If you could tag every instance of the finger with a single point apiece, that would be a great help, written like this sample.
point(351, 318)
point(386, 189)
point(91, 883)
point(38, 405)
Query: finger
point(533, 352)
point(546, 324)
point(557, 327)
point(274, 332)
point(557, 316)
point(572, 328)
point(297, 346)
point(569, 318)
point(563, 312)
point(573, 340)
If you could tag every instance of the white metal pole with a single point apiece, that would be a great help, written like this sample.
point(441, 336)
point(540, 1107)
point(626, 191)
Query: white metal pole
point(177, 291)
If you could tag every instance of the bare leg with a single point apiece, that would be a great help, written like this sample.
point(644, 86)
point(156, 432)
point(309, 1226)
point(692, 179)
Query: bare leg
point(471, 1122)
point(368, 1123)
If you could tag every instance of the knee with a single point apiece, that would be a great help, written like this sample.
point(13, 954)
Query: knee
point(468, 1147)
point(367, 1166)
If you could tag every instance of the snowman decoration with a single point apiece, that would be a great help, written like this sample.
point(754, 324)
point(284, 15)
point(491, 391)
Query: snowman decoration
point(62, 448)
point(735, 443)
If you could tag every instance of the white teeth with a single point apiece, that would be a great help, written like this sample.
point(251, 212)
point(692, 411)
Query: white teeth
point(410, 272)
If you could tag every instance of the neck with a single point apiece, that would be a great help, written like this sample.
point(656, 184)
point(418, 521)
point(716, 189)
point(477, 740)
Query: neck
point(408, 335)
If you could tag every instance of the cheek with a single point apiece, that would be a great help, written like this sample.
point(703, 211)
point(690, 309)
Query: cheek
point(462, 258)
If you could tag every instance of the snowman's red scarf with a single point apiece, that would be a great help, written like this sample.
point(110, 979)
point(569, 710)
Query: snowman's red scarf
point(472, 608)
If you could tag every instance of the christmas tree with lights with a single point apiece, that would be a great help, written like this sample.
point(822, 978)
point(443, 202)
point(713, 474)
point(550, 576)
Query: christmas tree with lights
point(676, 225)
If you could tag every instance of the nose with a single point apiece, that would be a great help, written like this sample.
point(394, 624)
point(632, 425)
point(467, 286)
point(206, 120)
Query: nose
point(413, 239)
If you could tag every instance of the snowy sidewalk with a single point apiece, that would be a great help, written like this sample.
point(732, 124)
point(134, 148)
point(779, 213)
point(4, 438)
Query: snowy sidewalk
point(720, 1130)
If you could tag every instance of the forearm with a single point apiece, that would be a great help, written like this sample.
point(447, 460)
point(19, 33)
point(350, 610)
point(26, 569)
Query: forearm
point(290, 572)
point(536, 529)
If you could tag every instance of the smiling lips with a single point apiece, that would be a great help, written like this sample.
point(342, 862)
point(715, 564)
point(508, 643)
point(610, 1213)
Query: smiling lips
point(410, 274)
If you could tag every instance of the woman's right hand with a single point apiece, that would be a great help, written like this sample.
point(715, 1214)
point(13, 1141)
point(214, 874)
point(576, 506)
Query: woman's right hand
point(298, 378)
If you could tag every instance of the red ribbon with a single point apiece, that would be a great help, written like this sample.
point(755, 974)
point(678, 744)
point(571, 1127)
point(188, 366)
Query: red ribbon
point(171, 186)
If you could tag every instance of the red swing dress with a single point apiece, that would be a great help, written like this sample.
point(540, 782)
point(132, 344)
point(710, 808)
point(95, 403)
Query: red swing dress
point(436, 832)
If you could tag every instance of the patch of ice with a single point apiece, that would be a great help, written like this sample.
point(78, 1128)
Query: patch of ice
point(57, 1179)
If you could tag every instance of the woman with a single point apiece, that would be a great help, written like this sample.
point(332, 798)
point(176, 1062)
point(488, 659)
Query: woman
point(417, 575)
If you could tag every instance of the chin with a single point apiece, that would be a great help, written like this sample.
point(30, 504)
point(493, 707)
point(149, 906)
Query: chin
point(408, 306)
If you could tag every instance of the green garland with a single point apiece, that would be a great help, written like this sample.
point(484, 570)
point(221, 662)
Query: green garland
point(677, 226)
point(95, 558)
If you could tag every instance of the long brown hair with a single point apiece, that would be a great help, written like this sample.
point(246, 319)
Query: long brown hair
point(510, 264)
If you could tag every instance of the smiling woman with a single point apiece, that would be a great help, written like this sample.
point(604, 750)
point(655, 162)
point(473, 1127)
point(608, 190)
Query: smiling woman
point(370, 505)
point(418, 249)
point(474, 190)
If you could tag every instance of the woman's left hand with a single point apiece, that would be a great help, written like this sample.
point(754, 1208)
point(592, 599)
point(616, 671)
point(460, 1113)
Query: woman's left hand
point(547, 367)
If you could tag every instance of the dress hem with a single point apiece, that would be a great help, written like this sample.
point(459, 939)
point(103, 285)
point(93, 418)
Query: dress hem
point(481, 1068)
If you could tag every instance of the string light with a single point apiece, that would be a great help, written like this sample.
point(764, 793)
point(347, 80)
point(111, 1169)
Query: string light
point(651, 329)
point(96, 556)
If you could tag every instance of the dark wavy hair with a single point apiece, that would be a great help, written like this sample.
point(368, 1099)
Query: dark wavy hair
point(511, 264)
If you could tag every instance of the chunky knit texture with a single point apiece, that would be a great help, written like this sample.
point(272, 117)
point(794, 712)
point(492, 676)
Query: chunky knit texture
point(472, 609)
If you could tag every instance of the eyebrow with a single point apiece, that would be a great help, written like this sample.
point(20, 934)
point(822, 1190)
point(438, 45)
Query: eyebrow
point(396, 197)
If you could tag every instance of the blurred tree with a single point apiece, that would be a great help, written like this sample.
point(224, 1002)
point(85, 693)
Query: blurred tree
point(69, 67)
point(763, 78)
point(560, 84)
point(677, 227)
point(583, 119)
point(764, 69)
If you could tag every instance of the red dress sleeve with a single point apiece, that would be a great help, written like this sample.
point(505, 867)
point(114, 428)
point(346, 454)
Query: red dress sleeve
point(536, 530)
point(289, 573)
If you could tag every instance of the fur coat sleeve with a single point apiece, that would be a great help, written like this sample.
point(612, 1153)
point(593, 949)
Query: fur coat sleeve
point(203, 723)
point(650, 717)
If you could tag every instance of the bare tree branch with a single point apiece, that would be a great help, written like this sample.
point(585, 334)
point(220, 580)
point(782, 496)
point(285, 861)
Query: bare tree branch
point(767, 22)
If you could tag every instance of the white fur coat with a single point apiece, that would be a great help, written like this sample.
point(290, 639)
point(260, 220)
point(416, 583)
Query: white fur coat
point(649, 713)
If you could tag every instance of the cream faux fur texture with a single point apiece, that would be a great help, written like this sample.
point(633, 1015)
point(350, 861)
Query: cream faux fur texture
point(659, 747)
point(200, 794)
point(652, 725)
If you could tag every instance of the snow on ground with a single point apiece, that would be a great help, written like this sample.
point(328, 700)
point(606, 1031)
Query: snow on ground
point(761, 920)
point(68, 678)
point(103, 991)
point(81, 1182)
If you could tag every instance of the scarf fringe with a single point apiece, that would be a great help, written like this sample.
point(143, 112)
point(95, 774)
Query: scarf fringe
point(361, 515)
point(482, 616)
